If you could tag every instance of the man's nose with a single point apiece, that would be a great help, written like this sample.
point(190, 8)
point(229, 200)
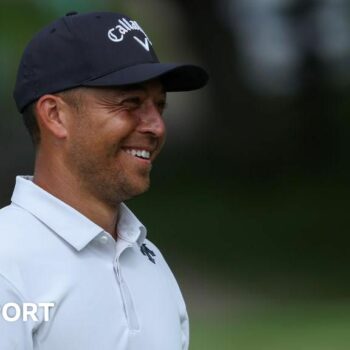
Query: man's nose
point(151, 120)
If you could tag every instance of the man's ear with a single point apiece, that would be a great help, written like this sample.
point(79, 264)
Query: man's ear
point(52, 116)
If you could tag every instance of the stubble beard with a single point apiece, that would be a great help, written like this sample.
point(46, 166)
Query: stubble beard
point(108, 184)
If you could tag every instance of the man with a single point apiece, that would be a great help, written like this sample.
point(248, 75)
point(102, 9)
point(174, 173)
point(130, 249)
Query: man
point(76, 269)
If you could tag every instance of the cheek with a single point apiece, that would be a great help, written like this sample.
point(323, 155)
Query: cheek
point(118, 126)
point(102, 137)
point(84, 141)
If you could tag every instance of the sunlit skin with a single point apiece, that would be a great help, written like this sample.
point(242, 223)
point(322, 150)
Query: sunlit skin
point(82, 156)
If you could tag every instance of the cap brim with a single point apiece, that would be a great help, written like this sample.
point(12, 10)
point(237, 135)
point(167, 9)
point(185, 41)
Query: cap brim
point(175, 77)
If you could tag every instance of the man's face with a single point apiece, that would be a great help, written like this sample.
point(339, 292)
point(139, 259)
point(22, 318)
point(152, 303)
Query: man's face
point(114, 139)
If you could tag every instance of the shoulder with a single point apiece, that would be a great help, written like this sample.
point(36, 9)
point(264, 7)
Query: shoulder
point(16, 240)
point(27, 251)
point(15, 224)
point(12, 216)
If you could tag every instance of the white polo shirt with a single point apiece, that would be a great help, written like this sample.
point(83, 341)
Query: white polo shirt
point(107, 294)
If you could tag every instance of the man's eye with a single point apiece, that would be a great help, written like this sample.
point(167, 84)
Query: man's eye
point(132, 102)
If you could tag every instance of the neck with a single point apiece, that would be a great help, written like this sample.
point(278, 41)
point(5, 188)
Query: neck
point(61, 183)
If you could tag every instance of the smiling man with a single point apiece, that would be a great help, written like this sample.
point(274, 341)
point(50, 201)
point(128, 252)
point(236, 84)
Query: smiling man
point(92, 94)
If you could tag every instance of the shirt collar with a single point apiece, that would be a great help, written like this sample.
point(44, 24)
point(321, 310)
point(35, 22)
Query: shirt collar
point(129, 228)
point(75, 228)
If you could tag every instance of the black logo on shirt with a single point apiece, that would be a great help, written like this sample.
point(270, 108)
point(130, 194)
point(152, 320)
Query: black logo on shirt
point(146, 251)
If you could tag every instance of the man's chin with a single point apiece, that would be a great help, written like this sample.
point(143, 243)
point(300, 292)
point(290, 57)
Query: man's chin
point(137, 189)
point(142, 188)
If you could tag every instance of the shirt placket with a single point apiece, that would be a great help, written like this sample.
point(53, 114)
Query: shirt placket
point(127, 300)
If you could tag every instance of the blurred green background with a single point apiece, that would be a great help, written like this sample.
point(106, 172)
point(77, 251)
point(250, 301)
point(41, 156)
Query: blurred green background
point(250, 197)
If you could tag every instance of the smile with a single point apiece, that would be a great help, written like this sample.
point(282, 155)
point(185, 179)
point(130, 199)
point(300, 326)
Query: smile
point(139, 153)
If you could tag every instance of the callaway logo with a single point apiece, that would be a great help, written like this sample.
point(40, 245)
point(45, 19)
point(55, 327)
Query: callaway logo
point(118, 32)
point(146, 251)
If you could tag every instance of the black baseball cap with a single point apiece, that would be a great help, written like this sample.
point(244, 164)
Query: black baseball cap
point(95, 49)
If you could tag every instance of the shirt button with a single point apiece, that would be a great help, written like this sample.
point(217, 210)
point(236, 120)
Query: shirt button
point(104, 239)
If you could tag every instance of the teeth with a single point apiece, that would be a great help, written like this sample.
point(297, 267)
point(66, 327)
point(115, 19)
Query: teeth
point(139, 153)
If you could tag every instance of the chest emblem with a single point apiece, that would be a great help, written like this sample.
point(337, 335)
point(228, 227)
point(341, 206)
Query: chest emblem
point(146, 251)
